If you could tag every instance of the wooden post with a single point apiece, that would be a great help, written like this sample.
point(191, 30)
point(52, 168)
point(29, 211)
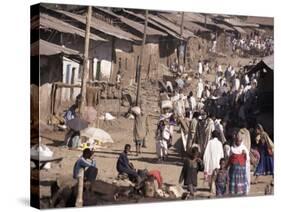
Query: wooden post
point(205, 20)
point(181, 34)
point(182, 19)
point(149, 68)
point(85, 72)
point(80, 185)
point(140, 62)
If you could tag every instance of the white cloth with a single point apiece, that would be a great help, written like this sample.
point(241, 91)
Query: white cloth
point(200, 68)
point(226, 150)
point(179, 108)
point(219, 128)
point(232, 72)
point(212, 155)
point(247, 80)
point(161, 148)
point(184, 139)
point(169, 85)
point(192, 103)
point(200, 88)
point(219, 69)
point(161, 144)
point(236, 84)
point(208, 129)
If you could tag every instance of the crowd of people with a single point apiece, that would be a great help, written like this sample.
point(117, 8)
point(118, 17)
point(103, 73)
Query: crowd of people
point(220, 135)
point(253, 45)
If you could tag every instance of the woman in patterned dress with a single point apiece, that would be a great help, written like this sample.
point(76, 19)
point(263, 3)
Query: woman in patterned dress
point(266, 149)
point(237, 168)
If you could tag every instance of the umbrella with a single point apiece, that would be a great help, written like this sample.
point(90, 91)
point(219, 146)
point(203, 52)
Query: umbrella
point(89, 114)
point(96, 134)
point(77, 124)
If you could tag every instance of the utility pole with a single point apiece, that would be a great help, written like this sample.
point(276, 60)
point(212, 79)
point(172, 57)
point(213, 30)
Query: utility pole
point(182, 19)
point(205, 20)
point(140, 62)
point(181, 54)
point(85, 72)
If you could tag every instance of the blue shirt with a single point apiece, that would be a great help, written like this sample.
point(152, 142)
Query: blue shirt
point(82, 163)
point(70, 113)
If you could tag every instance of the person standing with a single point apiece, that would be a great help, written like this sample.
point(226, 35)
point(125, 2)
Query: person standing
point(266, 151)
point(244, 136)
point(219, 126)
point(163, 137)
point(139, 129)
point(192, 130)
point(200, 88)
point(208, 129)
point(237, 168)
point(192, 165)
point(212, 155)
point(191, 101)
point(200, 68)
point(221, 179)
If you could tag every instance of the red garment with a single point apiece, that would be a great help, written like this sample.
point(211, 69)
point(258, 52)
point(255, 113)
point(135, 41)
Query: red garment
point(238, 159)
point(157, 175)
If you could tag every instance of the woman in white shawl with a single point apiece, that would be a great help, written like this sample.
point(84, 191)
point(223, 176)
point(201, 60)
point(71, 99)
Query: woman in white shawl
point(212, 155)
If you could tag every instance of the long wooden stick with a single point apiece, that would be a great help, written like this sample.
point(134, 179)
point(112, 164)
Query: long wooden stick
point(85, 74)
point(140, 62)
point(79, 198)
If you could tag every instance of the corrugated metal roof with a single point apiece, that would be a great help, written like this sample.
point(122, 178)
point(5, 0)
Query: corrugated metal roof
point(47, 21)
point(188, 24)
point(171, 26)
point(200, 19)
point(260, 20)
point(47, 48)
point(153, 23)
point(238, 22)
point(102, 26)
point(134, 24)
point(240, 30)
point(140, 27)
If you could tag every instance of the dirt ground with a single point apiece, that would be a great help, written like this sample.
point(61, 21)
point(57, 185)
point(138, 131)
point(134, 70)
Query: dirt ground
point(121, 130)
point(106, 158)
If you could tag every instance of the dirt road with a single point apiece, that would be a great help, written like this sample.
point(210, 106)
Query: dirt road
point(106, 158)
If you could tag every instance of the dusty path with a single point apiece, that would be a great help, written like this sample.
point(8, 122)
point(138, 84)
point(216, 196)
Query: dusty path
point(106, 158)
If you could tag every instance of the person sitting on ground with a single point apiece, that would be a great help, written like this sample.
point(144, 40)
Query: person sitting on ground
point(124, 166)
point(87, 163)
point(192, 165)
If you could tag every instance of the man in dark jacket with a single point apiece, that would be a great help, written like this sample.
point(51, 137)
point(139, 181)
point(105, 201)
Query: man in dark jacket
point(124, 166)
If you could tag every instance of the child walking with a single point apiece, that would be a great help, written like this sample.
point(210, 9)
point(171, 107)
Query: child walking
point(192, 165)
point(220, 179)
point(162, 139)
